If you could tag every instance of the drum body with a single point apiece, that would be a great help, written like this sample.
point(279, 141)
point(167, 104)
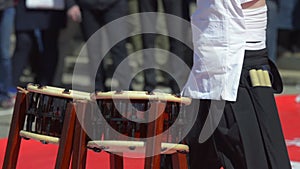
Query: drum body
point(45, 114)
point(46, 108)
point(126, 115)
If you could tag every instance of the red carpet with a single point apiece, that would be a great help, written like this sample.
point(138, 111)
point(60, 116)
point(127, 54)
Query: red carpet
point(289, 112)
point(35, 155)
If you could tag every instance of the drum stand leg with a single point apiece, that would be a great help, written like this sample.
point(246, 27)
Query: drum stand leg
point(14, 140)
point(116, 161)
point(153, 146)
point(179, 161)
point(66, 141)
point(79, 141)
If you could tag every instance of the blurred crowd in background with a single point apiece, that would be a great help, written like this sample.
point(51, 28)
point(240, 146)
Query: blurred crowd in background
point(35, 42)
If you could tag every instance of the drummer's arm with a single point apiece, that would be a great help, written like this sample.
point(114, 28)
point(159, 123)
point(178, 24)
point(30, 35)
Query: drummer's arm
point(254, 4)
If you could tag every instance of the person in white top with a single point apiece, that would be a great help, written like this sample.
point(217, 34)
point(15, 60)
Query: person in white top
point(231, 65)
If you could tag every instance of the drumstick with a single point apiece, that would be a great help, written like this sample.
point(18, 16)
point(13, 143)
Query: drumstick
point(254, 77)
point(22, 89)
point(267, 78)
point(261, 78)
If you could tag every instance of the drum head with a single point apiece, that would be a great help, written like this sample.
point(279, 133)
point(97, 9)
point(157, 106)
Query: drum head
point(58, 92)
point(142, 95)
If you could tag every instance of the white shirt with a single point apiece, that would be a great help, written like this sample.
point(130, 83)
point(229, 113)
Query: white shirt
point(219, 38)
point(256, 25)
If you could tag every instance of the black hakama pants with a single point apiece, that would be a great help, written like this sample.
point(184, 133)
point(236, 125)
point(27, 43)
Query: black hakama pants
point(249, 135)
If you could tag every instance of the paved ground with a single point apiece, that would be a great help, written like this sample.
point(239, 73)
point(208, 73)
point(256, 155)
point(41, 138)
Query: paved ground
point(5, 118)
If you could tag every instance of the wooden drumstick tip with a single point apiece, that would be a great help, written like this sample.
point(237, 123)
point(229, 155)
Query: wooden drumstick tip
point(22, 89)
point(267, 78)
point(261, 77)
point(254, 78)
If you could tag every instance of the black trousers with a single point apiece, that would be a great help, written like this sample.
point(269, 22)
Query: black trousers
point(93, 20)
point(249, 135)
point(40, 50)
point(176, 47)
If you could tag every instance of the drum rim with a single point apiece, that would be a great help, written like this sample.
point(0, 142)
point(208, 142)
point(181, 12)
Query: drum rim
point(128, 95)
point(142, 95)
point(58, 92)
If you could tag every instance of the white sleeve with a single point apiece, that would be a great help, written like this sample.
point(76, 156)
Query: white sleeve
point(219, 46)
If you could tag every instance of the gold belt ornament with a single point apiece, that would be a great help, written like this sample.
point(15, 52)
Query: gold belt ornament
point(260, 78)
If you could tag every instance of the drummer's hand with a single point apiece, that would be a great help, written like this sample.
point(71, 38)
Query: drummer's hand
point(74, 13)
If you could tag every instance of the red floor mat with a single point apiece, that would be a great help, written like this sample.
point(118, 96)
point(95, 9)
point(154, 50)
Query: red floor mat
point(289, 112)
point(34, 155)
